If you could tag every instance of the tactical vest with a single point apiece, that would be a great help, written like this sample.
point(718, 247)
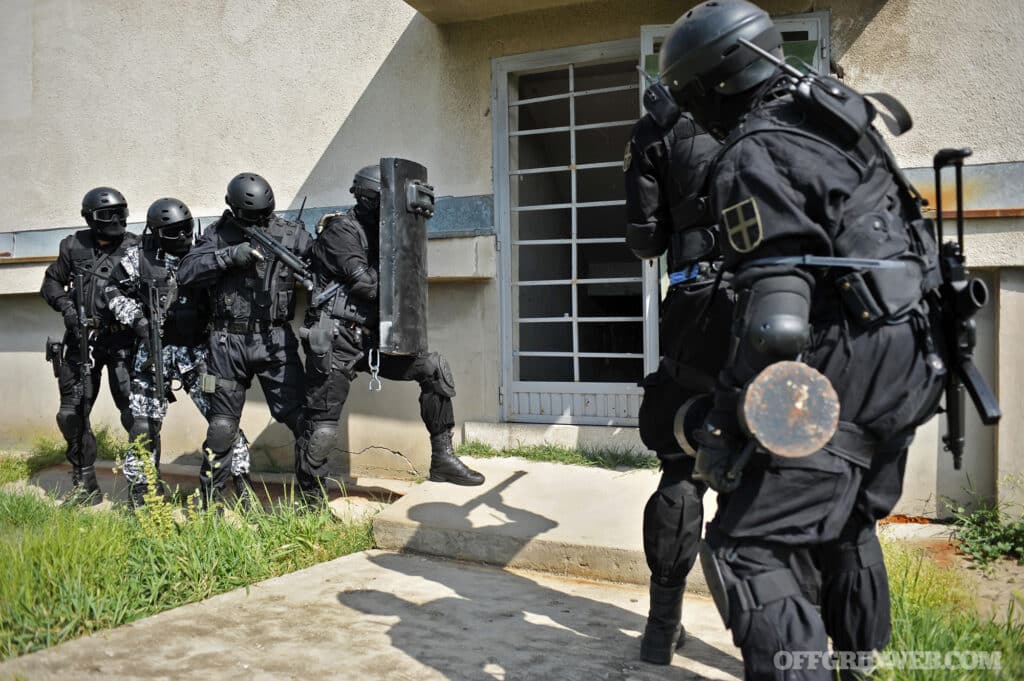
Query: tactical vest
point(690, 153)
point(882, 221)
point(264, 293)
point(182, 311)
point(98, 270)
point(348, 307)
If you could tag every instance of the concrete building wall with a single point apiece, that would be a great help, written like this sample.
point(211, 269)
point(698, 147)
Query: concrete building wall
point(182, 96)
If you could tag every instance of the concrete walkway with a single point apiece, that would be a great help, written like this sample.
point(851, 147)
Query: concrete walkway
point(569, 520)
point(381, 615)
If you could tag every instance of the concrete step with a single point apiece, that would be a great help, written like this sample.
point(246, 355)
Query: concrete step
point(380, 615)
point(567, 520)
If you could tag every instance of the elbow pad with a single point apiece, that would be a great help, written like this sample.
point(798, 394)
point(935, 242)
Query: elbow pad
point(775, 325)
point(646, 241)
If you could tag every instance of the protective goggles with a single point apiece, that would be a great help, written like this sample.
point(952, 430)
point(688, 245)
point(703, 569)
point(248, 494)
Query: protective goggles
point(110, 214)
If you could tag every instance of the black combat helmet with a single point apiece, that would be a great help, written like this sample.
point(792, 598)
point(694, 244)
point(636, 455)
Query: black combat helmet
point(367, 181)
point(250, 198)
point(703, 64)
point(366, 189)
point(171, 220)
point(106, 212)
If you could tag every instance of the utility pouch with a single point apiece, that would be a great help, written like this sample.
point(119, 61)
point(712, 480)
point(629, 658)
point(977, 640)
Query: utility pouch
point(55, 355)
point(208, 383)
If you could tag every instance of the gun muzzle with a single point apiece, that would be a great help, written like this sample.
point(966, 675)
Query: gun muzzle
point(971, 298)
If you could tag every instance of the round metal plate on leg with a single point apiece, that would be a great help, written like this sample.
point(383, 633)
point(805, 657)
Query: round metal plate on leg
point(791, 409)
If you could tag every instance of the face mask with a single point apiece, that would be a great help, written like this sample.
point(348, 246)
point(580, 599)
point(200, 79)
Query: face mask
point(110, 229)
point(176, 240)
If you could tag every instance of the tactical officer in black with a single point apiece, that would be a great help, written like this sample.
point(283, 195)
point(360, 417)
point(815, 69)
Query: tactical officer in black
point(172, 320)
point(74, 286)
point(803, 173)
point(665, 167)
point(347, 251)
point(252, 298)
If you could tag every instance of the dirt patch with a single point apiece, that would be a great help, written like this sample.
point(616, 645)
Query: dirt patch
point(995, 588)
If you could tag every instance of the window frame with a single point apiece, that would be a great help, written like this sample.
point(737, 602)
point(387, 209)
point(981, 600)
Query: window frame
point(501, 69)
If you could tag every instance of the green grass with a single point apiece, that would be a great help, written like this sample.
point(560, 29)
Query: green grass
point(49, 451)
point(933, 610)
point(109, 446)
point(584, 456)
point(989, 529)
point(67, 573)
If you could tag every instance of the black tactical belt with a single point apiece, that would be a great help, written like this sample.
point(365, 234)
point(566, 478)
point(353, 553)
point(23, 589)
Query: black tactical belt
point(246, 326)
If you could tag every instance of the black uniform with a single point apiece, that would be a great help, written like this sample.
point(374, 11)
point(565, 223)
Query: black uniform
point(183, 317)
point(251, 308)
point(790, 185)
point(347, 251)
point(665, 171)
point(110, 342)
point(667, 211)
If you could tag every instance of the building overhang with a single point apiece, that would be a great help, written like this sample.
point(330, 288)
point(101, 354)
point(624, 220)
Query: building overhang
point(454, 11)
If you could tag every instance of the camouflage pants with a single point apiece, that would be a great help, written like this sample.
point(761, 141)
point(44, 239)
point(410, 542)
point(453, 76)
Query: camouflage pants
point(182, 368)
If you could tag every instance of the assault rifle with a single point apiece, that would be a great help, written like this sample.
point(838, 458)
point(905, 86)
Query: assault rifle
point(84, 358)
point(287, 258)
point(961, 298)
point(156, 341)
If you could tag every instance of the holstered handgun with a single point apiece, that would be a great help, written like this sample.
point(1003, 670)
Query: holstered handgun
point(320, 336)
point(55, 354)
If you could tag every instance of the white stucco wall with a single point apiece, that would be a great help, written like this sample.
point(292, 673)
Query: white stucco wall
point(181, 96)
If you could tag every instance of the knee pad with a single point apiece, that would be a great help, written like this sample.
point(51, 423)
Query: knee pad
point(672, 523)
point(143, 426)
point(322, 442)
point(441, 380)
point(70, 424)
point(221, 434)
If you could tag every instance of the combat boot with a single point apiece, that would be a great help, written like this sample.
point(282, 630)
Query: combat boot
point(663, 633)
point(85, 491)
point(243, 492)
point(445, 466)
point(137, 494)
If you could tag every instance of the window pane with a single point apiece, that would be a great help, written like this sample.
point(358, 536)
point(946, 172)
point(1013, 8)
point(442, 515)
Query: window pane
point(543, 84)
point(542, 224)
point(611, 337)
point(609, 300)
point(545, 369)
point(539, 151)
point(605, 75)
point(538, 189)
point(550, 114)
point(545, 337)
point(601, 261)
point(537, 263)
point(545, 301)
point(602, 370)
point(602, 144)
point(600, 184)
point(602, 222)
point(609, 106)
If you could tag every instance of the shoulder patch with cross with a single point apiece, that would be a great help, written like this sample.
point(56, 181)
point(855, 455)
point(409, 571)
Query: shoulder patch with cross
point(742, 223)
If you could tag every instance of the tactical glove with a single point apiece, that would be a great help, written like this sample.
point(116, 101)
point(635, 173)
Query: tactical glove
point(141, 328)
point(70, 318)
point(715, 457)
point(244, 255)
point(719, 444)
